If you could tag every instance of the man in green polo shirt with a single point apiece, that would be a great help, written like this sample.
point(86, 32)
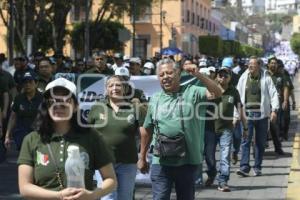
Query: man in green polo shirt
point(281, 85)
point(173, 111)
point(223, 124)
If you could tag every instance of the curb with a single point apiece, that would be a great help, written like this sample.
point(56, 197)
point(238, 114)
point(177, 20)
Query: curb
point(293, 190)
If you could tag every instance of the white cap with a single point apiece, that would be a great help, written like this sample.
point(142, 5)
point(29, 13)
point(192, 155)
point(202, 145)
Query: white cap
point(205, 71)
point(149, 65)
point(122, 71)
point(126, 57)
point(212, 68)
point(135, 60)
point(202, 62)
point(62, 82)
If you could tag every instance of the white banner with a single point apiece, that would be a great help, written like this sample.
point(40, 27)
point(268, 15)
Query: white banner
point(88, 95)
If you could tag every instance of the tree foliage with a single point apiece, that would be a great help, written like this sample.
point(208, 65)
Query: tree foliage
point(46, 19)
point(103, 36)
point(295, 43)
point(116, 8)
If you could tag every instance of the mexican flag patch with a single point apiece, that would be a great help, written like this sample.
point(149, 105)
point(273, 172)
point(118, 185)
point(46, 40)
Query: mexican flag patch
point(42, 159)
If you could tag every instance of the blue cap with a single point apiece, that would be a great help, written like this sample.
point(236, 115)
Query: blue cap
point(227, 62)
point(28, 76)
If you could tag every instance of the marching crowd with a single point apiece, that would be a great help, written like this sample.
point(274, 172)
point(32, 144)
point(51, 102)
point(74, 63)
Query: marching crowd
point(232, 102)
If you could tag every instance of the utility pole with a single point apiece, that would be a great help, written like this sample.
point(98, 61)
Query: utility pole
point(11, 32)
point(161, 23)
point(87, 32)
point(133, 4)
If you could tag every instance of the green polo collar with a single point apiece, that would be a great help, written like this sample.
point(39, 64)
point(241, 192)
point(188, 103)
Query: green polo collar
point(122, 107)
point(70, 134)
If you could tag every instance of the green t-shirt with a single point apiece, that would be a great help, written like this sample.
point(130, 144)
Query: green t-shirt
point(253, 93)
point(229, 99)
point(42, 83)
point(35, 153)
point(289, 80)
point(119, 129)
point(280, 83)
point(94, 70)
point(168, 117)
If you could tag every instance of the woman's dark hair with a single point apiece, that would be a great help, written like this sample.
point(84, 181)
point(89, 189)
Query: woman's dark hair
point(43, 123)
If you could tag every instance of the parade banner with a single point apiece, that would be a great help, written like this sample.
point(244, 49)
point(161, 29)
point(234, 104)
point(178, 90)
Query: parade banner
point(91, 88)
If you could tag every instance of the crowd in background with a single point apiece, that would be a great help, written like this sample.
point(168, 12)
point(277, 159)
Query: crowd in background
point(23, 84)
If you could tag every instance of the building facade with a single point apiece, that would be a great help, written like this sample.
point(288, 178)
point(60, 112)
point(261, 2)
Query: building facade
point(282, 6)
point(251, 7)
point(171, 23)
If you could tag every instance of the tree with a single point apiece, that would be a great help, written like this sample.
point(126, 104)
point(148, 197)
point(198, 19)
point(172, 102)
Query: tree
point(116, 8)
point(103, 36)
point(57, 13)
point(32, 15)
point(295, 43)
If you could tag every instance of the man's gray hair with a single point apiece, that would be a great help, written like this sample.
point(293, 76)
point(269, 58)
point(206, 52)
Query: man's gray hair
point(258, 60)
point(167, 61)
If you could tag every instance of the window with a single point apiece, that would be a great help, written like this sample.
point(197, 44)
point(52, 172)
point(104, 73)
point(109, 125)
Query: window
point(198, 20)
point(202, 23)
point(187, 16)
point(193, 18)
point(145, 15)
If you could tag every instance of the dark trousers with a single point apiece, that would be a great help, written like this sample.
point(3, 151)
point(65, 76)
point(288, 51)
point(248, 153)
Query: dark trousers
point(163, 178)
point(275, 132)
point(285, 120)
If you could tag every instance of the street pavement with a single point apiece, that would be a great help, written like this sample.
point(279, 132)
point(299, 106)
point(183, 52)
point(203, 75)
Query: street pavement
point(272, 185)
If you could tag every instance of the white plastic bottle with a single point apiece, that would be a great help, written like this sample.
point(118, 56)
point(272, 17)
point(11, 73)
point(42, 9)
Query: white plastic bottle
point(74, 168)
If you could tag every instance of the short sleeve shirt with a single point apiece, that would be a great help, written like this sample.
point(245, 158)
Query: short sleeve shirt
point(229, 99)
point(280, 83)
point(35, 153)
point(168, 118)
point(118, 129)
point(26, 110)
point(6, 83)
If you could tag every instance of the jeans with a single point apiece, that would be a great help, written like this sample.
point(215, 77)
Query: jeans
point(261, 129)
point(126, 174)
point(163, 178)
point(211, 140)
point(237, 137)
